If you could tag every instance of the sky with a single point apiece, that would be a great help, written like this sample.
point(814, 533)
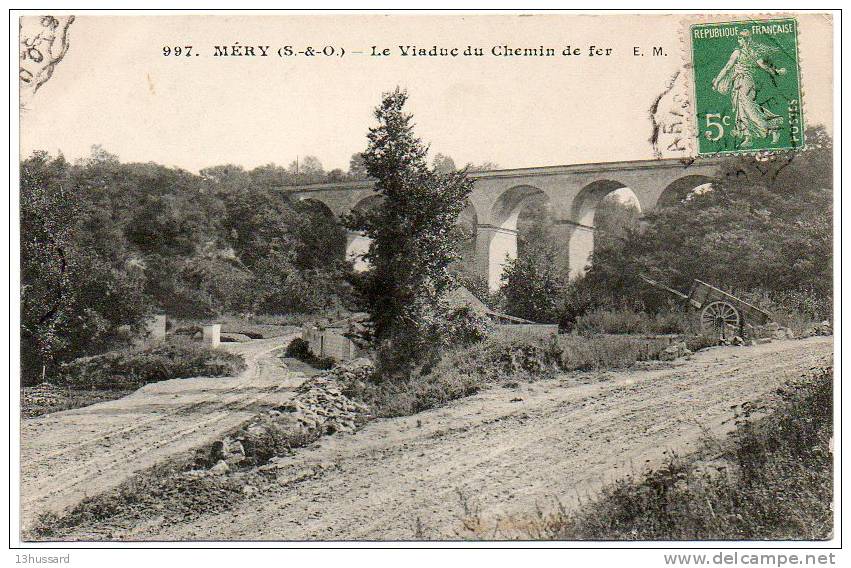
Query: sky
point(115, 88)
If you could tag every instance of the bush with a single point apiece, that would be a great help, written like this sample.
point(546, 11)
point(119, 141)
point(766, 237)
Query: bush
point(299, 349)
point(464, 326)
point(505, 356)
point(460, 372)
point(408, 396)
point(580, 353)
point(796, 309)
point(132, 368)
point(625, 320)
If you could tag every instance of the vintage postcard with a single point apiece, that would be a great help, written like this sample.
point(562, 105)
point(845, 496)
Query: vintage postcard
point(425, 277)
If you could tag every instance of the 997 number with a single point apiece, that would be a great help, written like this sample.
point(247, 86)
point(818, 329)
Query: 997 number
point(185, 51)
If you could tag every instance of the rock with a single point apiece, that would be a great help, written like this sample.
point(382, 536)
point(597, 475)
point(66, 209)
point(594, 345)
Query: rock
point(674, 351)
point(249, 490)
point(196, 473)
point(288, 422)
point(220, 468)
point(256, 430)
point(234, 452)
point(670, 353)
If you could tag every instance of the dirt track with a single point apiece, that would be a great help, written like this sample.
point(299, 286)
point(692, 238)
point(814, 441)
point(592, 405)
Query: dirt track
point(68, 455)
point(564, 438)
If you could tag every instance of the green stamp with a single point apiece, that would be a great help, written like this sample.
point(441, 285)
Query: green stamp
point(747, 86)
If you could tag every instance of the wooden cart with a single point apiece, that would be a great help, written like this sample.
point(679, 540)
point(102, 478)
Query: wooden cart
point(718, 309)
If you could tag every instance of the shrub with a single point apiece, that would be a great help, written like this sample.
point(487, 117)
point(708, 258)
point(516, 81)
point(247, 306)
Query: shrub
point(796, 309)
point(299, 349)
point(404, 397)
point(505, 356)
point(131, 368)
point(626, 320)
point(580, 353)
point(460, 372)
point(464, 326)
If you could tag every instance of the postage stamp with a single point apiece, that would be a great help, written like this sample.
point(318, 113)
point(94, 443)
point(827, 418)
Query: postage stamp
point(747, 86)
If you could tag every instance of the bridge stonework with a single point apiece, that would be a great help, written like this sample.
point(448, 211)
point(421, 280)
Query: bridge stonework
point(572, 191)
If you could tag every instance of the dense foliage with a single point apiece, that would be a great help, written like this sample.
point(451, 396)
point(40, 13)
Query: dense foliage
point(413, 238)
point(104, 242)
point(763, 231)
point(766, 225)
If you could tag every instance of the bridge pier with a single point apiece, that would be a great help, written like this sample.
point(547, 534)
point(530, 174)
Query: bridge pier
point(494, 247)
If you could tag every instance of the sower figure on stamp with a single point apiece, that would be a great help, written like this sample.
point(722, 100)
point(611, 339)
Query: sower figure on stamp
point(737, 77)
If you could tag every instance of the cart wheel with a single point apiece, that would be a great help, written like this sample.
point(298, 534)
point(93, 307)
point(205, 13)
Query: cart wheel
point(719, 315)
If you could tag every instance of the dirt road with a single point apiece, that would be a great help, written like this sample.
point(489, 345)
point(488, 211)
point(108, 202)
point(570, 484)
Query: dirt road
point(507, 450)
point(68, 455)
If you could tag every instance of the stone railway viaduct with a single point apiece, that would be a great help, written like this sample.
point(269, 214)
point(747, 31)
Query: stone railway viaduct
point(573, 193)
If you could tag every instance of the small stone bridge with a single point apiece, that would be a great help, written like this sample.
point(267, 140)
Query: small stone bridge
point(573, 193)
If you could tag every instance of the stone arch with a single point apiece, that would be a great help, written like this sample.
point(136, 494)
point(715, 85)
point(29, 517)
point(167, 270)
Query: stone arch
point(497, 241)
point(317, 205)
point(583, 217)
point(680, 188)
point(367, 203)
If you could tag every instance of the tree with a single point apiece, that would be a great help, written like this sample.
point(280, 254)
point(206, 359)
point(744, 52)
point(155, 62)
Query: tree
point(357, 169)
point(412, 238)
point(765, 226)
point(336, 175)
point(532, 283)
point(76, 290)
point(443, 164)
point(483, 167)
point(614, 222)
point(306, 170)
